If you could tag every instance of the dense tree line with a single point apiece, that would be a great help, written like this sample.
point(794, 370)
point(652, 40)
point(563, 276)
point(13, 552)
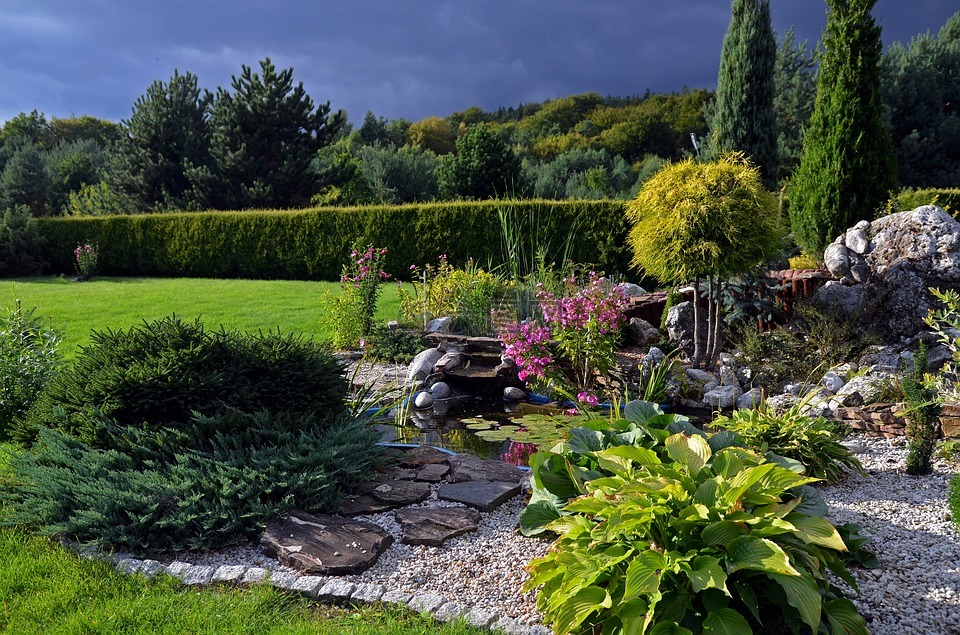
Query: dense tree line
point(264, 143)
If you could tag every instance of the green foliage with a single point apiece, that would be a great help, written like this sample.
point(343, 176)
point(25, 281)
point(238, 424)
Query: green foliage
point(393, 345)
point(349, 314)
point(158, 374)
point(214, 483)
point(921, 87)
point(947, 199)
point(795, 79)
point(590, 173)
point(847, 169)
point(434, 134)
point(24, 181)
point(166, 137)
point(21, 243)
point(703, 221)
point(28, 359)
point(467, 295)
point(309, 244)
point(666, 529)
point(923, 416)
point(266, 133)
point(744, 117)
point(813, 441)
point(70, 166)
point(484, 166)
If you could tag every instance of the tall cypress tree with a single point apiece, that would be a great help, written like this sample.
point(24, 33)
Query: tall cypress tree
point(744, 118)
point(847, 169)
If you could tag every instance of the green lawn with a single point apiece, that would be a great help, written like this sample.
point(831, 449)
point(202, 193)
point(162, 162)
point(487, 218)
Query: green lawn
point(248, 305)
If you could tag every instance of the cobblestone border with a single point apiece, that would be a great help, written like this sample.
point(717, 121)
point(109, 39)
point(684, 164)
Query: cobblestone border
point(320, 588)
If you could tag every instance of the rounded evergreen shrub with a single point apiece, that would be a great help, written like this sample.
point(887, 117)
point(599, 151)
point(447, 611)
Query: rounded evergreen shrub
point(158, 374)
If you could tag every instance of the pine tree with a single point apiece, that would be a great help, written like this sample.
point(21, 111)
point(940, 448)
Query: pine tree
point(744, 118)
point(24, 181)
point(266, 134)
point(483, 167)
point(847, 169)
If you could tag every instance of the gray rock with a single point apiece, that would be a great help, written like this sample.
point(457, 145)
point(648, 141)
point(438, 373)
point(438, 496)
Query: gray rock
point(781, 403)
point(129, 565)
point(449, 612)
point(426, 602)
point(863, 224)
point(440, 325)
point(856, 240)
point(336, 590)
point(728, 376)
point(750, 399)
point(367, 593)
point(885, 358)
point(798, 390)
point(642, 333)
point(397, 493)
point(198, 575)
point(832, 382)
point(481, 618)
point(466, 467)
point(401, 474)
point(440, 390)
point(423, 455)
point(864, 389)
point(362, 504)
point(632, 290)
point(512, 393)
point(432, 473)
point(846, 300)
point(484, 495)
point(423, 400)
point(396, 597)
point(723, 397)
point(229, 573)
point(700, 375)
point(422, 365)
point(938, 356)
point(450, 361)
point(151, 568)
point(324, 545)
point(653, 358)
point(837, 260)
point(679, 325)
point(254, 575)
point(434, 526)
point(178, 569)
point(282, 580)
point(309, 585)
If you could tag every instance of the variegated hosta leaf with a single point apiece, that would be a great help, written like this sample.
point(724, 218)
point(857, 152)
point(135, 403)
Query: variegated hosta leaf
point(759, 554)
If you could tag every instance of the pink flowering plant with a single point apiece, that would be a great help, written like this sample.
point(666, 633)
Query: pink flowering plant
point(350, 313)
point(576, 342)
point(85, 259)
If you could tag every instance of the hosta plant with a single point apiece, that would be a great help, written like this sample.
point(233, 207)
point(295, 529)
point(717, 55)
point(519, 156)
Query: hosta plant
point(814, 441)
point(675, 531)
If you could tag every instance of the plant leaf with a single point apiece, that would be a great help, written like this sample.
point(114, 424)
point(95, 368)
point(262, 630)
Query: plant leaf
point(643, 574)
point(844, 618)
point(817, 531)
point(726, 622)
point(758, 554)
point(576, 609)
point(725, 439)
point(584, 440)
point(690, 452)
point(535, 517)
point(811, 502)
point(803, 595)
point(706, 573)
point(640, 411)
point(722, 533)
point(666, 628)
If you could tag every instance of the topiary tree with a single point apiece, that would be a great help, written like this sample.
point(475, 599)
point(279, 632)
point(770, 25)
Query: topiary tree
point(847, 168)
point(700, 223)
point(744, 118)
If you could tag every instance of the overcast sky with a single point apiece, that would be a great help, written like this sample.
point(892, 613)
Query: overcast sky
point(398, 58)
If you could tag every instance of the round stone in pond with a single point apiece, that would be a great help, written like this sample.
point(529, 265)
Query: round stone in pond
point(440, 390)
point(512, 393)
point(423, 400)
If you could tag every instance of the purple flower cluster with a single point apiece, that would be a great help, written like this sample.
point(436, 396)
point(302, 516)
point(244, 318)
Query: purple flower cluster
point(526, 344)
point(593, 307)
point(518, 453)
point(85, 259)
point(365, 266)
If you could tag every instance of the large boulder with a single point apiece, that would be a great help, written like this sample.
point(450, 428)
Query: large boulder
point(679, 325)
point(890, 264)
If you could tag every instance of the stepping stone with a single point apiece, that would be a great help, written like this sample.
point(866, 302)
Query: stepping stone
point(424, 455)
point(397, 493)
point(401, 474)
point(432, 473)
point(362, 504)
point(484, 495)
point(324, 545)
point(466, 467)
point(433, 526)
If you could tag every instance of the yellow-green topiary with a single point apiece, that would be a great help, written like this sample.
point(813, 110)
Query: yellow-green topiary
point(701, 223)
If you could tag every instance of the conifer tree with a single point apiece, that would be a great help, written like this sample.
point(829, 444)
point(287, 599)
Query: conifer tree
point(744, 117)
point(847, 168)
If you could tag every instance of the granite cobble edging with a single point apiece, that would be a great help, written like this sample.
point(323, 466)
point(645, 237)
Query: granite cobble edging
point(320, 588)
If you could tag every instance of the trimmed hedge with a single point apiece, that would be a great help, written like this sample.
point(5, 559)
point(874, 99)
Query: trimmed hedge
point(312, 244)
point(948, 199)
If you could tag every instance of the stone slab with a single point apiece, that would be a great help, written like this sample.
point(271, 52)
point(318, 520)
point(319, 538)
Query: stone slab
point(396, 493)
point(466, 467)
point(426, 602)
point(254, 575)
point(433, 473)
point(129, 565)
point(229, 573)
point(178, 568)
point(363, 504)
point(336, 590)
point(150, 568)
point(309, 584)
point(423, 455)
point(433, 526)
point(449, 612)
point(367, 593)
point(481, 618)
point(285, 581)
point(324, 545)
point(396, 597)
point(484, 495)
point(198, 575)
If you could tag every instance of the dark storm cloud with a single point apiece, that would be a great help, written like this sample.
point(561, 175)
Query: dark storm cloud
point(399, 59)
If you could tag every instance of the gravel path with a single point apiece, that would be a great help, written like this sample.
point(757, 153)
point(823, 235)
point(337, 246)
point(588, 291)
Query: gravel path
point(916, 590)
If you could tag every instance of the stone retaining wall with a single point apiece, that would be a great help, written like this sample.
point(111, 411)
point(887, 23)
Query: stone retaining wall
point(887, 420)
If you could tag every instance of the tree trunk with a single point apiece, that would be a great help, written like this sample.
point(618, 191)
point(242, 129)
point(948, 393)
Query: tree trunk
point(697, 355)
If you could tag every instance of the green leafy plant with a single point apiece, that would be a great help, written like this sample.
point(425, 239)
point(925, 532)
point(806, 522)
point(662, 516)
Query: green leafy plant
point(922, 414)
point(350, 313)
point(392, 345)
point(86, 257)
point(813, 441)
point(668, 530)
point(28, 359)
point(159, 374)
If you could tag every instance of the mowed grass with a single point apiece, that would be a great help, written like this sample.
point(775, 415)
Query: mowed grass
point(77, 308)
point(46, 589)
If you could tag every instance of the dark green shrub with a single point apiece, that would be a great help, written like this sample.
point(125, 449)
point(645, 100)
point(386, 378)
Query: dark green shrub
point(923, 416)
point(393, 345)
point(813, 441)
point(309, 244)
point(28, 359)
point(667, 528)
point(21, 243)
point(215, 483)
point(158, 374)
point(948, 199)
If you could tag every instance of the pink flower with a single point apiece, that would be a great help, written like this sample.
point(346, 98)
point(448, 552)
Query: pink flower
point(588, 399)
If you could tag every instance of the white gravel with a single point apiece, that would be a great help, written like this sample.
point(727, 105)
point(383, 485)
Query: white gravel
point(916, 590)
